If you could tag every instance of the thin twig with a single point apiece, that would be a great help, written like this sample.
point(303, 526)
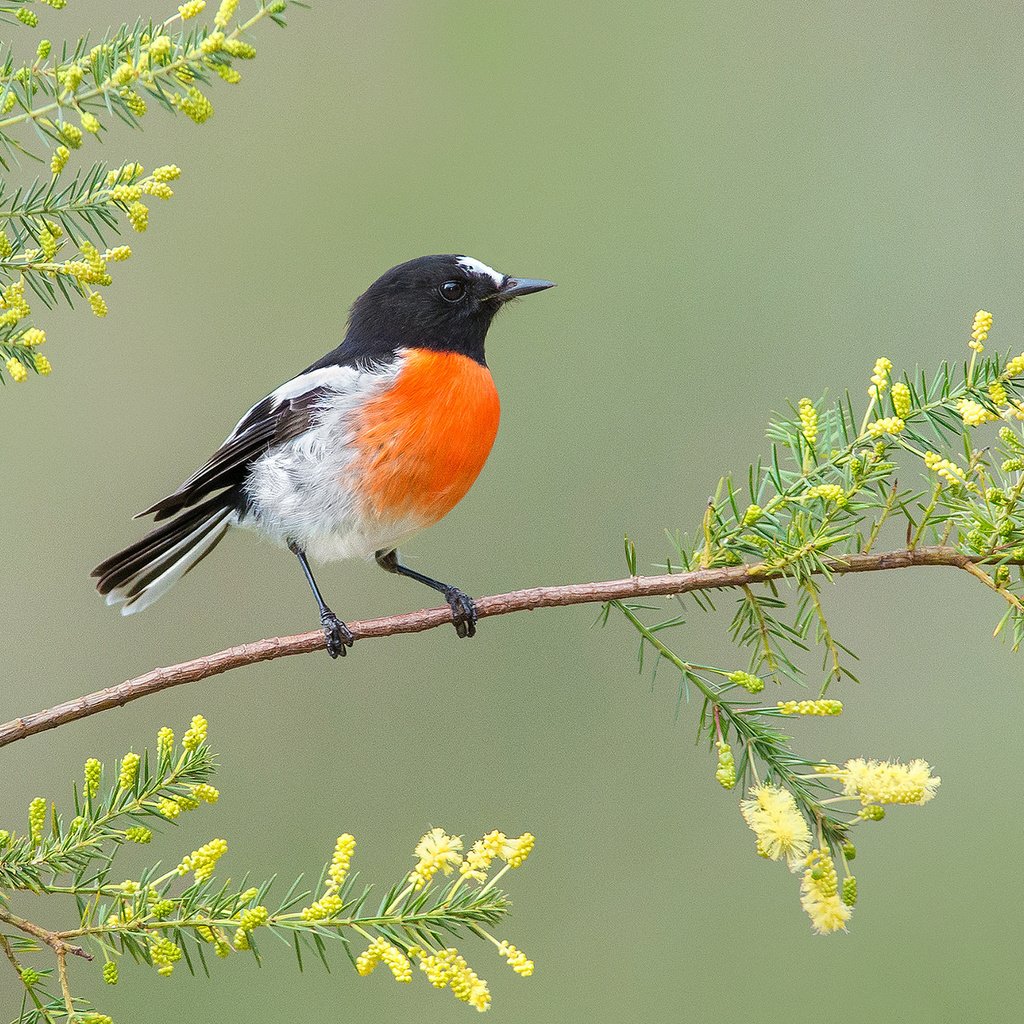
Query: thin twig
point(500, 604)
point(51, 939)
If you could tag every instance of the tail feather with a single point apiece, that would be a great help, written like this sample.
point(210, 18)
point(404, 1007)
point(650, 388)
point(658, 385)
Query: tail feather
point(140, 574)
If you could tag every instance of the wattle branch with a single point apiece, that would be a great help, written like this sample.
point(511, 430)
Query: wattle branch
point(632, 587)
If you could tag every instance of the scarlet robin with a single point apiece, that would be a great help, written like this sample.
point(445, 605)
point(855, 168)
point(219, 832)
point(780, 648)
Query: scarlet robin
point(377, 440)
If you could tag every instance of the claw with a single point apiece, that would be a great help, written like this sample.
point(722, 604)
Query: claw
point(463, 612)
point(337, 635)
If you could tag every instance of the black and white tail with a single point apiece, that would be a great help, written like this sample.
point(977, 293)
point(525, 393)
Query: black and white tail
point(145, 571)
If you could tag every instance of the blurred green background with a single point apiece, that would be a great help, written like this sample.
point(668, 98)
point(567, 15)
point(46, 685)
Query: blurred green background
point(742, 203)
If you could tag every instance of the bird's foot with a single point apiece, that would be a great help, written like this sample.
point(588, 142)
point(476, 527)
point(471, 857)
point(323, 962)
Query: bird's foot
point(463, 611)
point(337, 635)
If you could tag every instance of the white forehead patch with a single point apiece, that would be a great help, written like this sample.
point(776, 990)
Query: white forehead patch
point(476, 267)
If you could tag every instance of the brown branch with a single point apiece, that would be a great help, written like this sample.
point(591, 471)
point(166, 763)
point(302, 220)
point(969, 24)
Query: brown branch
point(501, 604)
point(51, 939)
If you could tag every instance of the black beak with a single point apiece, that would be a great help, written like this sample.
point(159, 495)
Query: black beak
point(513, 287)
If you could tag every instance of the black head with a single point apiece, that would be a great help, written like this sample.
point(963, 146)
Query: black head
point(444, 303)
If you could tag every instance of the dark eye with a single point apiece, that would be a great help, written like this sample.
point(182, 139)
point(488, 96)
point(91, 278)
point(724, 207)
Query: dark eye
point(452, 291)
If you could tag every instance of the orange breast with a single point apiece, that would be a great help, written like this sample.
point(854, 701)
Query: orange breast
point(424, 441)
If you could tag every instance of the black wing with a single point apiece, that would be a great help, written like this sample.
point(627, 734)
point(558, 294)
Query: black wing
point(267, 424)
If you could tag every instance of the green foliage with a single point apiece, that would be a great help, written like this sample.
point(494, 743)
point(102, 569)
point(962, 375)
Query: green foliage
point(54, 232)
point(830, 492)
point(162, 919)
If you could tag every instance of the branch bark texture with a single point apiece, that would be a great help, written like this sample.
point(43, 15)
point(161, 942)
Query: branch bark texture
point(499, 604)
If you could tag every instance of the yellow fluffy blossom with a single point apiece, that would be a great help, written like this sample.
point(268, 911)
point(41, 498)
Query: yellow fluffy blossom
point(342, 859)
point(196, 105)
point(129, 770)
point(254, 917)
point(1014, 367)
point(436, 851)
point(228, 73)
point(138, 216)
point(241, 940)
point(820, 894)
point(808, 420)
point(196, 734)
point(997, 392)
point(829, 493)
point(134, 102)
point(749, 682)
point(138, 834)
point(979, 330)
point(164, 954)
point(810, 707)
point(59, 160)
point(157, 189)
point(241, 50)
point(191, 8)
point(776, 821)
point(98, 304)
point(949, 471)
point(880, 377)
point(212, 43)
point(327, 906)
point(160, 47)
point(889, 782)
point(225, 13)
point(447, 967)
point(91, 785)
point(974, 414)
point(119, 253)
point(36, 818)
point(382, 951)
point(725, 773)
point(91, 123)
point(204, 860)
point(164, 743)
point(886, 425)
point(901, 399)
point(482, 853)
point(206, 793)
point(32, 337)
point(517, 850)
point(168, 172)
point(17, 370)
point(71, 134)
point(516, 959)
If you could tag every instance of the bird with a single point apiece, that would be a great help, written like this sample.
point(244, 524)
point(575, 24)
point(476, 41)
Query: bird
point(369, 445)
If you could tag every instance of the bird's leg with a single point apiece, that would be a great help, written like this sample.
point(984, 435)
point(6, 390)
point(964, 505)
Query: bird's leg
point(463, 609)
point(336, 633)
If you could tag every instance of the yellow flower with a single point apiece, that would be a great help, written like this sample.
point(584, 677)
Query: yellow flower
point(196, 105)
point(59, 160)
point(196, 734)
point(17, 370)
point(205, 792)
point(164, 954)
point(776, 821)
point(437, 851)
point(808, 420)
point(517, 850)
point(91, 123)
point(165, 743)
point(98, 304)
point(255, 917)
point(889, 782)
point(749, 682)
point(93, 771)
point(1015, 367)
point(482, 853)
point(212, 43)
point(886, 425)
point(168, 172)
point(820, 894)
point(32, 337)
point(129, 770)
point(204, 860)
point(828, 493)
point(327, 906)
point(71, 134)
point(36, 818)
point(901, 399)
point(810, 707)
point(949, 471)
point(342, 859)
point(138, 216)
point(160, 47)
point(880, 377)
point(725, 773)
point(225, 13)
point(979, 330)
point(974, 414)
point(997, 392)
point(191, 8)
point(516, 959)
point(138, 834)
point(382, 951)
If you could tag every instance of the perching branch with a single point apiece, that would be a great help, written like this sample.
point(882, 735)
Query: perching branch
point(500, 604)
